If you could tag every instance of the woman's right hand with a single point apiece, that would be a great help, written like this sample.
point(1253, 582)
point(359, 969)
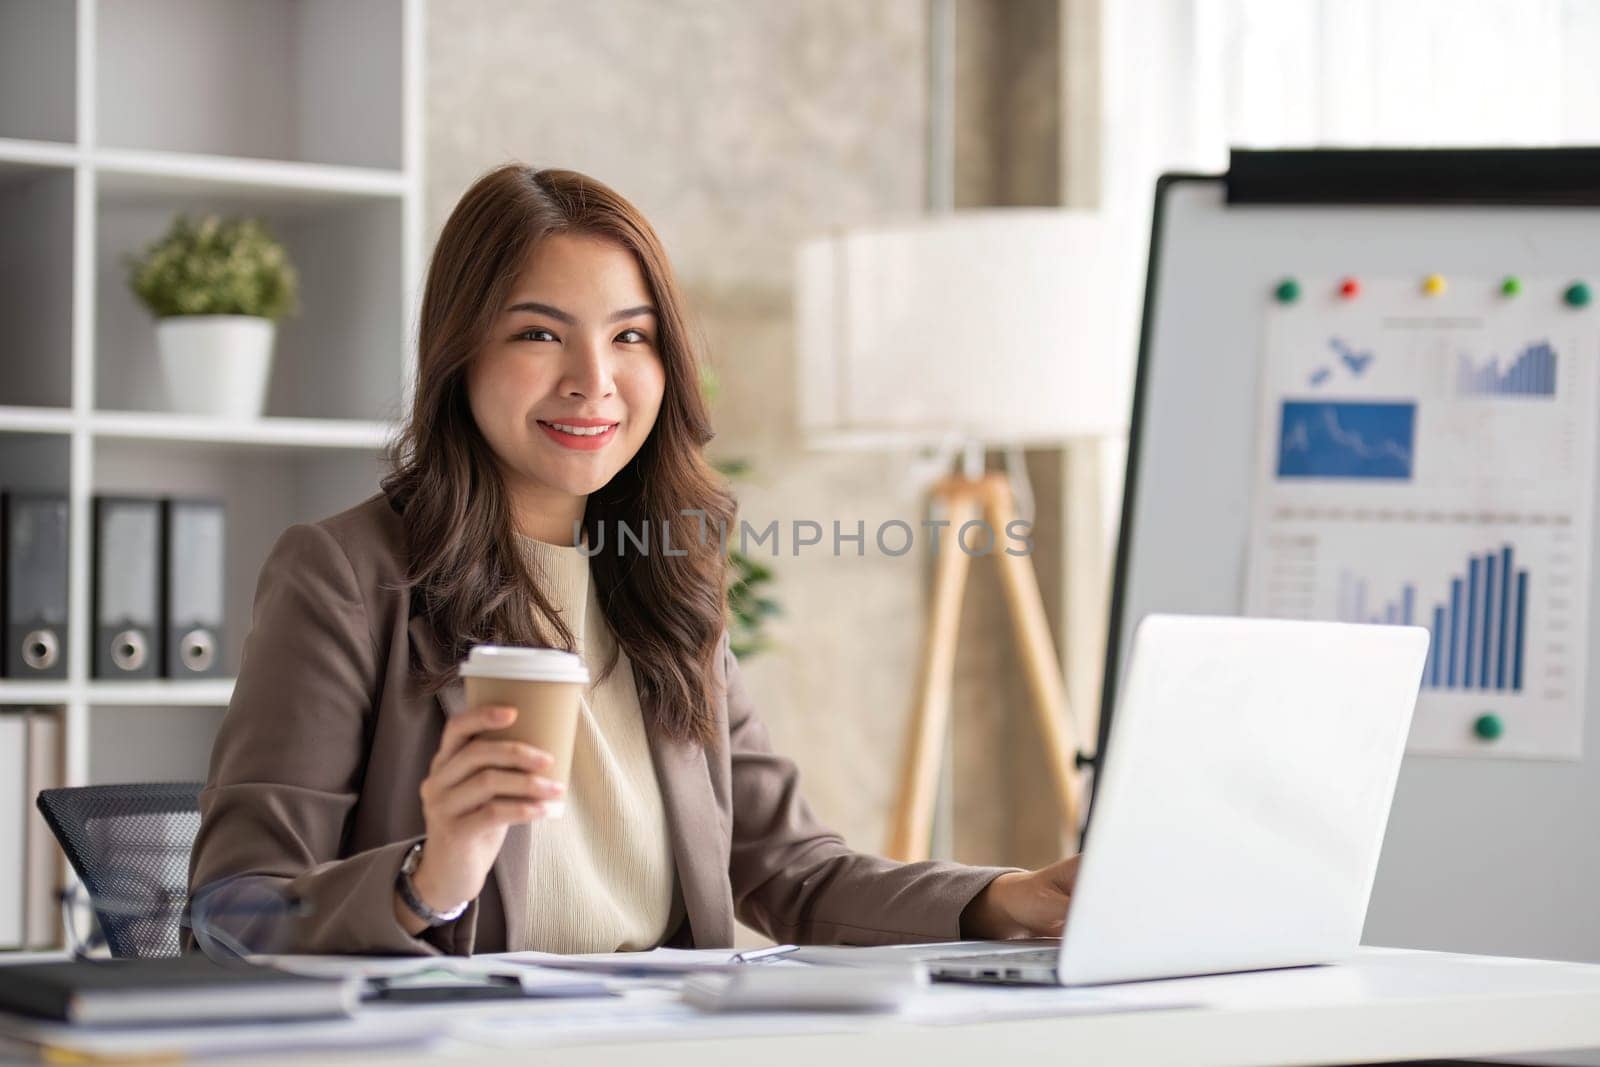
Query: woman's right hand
point(475, 789)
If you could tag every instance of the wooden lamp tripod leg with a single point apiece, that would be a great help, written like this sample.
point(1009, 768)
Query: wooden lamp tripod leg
point(912, 827)
point(1051, 711)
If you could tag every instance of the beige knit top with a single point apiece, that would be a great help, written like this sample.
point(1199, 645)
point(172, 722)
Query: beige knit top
point(601, 878)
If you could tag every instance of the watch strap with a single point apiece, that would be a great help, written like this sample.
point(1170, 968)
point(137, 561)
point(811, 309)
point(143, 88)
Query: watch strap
point(413, 900)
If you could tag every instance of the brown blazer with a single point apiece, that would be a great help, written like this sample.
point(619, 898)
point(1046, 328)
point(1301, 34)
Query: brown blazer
point(314, 782)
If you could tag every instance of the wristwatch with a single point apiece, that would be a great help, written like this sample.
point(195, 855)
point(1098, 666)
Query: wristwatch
point(408, 892)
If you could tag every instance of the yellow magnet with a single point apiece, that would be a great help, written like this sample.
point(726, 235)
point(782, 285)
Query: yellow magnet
point(1433, 285)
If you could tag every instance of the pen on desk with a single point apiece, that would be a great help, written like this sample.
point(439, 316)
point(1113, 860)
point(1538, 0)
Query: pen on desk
point(761, 955)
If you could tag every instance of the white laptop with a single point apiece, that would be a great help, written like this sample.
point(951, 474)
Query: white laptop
point(1241, 805)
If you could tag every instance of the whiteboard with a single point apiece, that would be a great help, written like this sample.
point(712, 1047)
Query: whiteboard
point(1495, 856)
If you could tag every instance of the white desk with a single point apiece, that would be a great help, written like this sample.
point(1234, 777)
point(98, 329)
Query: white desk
point(1385, 1005)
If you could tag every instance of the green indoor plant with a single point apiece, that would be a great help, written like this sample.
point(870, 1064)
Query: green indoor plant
point(749, 602)
point(217, 288)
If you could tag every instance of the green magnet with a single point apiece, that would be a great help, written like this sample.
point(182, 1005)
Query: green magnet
point(1511, 286)
point(1488, 726)
point(1577, 295)
point(1288, 291)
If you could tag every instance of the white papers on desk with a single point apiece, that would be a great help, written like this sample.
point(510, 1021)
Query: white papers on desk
point(660, 961)
point(535, 980)
point(659, 1015)
point(938, 1004)
point(642, 1014)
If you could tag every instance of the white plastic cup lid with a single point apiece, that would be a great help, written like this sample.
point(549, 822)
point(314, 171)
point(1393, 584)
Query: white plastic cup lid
point(529, 664)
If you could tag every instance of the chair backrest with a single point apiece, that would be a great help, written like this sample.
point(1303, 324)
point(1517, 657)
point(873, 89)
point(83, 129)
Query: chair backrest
point(129, 845)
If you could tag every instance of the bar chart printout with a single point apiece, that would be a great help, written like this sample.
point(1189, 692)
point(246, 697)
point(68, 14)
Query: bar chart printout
point(1532, 373)
point(1431, 461)
point(1478, 629)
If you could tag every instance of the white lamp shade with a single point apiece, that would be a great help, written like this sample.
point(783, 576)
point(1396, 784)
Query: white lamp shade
point(1006, 326)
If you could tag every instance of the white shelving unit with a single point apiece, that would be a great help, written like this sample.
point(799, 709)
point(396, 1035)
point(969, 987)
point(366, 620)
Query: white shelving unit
point(114, 116)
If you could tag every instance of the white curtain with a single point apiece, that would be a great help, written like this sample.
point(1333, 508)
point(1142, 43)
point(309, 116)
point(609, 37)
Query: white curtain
point(1184, 80)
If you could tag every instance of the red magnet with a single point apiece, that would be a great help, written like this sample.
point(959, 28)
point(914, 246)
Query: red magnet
point(1350, 289)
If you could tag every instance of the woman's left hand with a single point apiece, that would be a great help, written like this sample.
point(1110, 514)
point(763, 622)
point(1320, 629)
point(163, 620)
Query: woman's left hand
point(1022, 903)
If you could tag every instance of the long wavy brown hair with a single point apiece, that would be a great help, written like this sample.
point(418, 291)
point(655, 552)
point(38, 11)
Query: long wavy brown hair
point(465, 572)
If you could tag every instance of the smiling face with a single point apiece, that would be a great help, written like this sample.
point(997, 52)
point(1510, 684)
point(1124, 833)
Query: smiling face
point(567, 386)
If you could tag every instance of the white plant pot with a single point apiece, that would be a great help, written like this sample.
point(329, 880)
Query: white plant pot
point(216, 364)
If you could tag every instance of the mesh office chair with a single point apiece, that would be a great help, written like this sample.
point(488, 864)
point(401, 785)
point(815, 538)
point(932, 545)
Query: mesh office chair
point(129, 845)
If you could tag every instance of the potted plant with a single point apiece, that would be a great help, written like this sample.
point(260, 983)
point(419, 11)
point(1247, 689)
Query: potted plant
point(218, 288)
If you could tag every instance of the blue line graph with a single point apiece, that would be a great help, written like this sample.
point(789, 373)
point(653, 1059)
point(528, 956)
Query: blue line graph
point(1354, 361)
point(1480, 630)
point(1336, 439)
point(1357, 362)
point(1532, 373)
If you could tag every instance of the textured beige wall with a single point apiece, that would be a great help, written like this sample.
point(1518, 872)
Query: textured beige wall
point(740, 128)
point(1008, 98)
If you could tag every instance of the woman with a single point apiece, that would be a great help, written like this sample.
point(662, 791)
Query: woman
point(557, 401)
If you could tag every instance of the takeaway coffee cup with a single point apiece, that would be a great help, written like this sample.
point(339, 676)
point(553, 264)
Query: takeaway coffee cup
point(545, 686)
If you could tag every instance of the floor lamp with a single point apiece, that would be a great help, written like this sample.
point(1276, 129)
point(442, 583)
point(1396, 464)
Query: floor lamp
point(995, 328)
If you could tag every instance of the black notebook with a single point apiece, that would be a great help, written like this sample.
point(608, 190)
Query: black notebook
point(177, 989)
